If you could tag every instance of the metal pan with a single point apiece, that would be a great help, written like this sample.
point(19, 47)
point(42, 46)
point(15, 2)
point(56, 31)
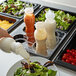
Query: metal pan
point(55, 9)
point(69, 44)
point(10, 20)
point(36, 6)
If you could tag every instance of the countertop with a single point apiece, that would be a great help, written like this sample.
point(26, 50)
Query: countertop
point(8, 59)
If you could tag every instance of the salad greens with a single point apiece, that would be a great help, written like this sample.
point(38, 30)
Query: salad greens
point(35, 70)
point(63, 20)
point(14, 7)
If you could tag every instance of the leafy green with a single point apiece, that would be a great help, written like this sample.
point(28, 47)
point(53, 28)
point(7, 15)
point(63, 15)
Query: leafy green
point(39, 71)
point(10, 1)
point(52, 73)
point(63, 20)
point(14, 7)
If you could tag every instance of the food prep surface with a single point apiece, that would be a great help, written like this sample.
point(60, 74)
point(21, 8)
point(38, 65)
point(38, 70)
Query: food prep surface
point(12, 14)
point(67, 19)
point(18, 34)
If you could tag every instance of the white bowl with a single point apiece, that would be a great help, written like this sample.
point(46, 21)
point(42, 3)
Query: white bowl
point(33, 58)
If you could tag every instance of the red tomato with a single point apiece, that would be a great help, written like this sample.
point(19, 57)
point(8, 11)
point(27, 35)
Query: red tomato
point(74, 60)
point(68, 51)
point(69, 56)
point(75, 56)
point(65, 54)
point(73, 53)
point(73, 63)
point(64, 57)
point(67, 61)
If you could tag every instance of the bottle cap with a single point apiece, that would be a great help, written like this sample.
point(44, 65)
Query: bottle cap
point(50, 15)
point(29, 10)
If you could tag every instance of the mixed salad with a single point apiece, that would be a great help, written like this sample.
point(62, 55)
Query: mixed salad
point(14, 7)
point(34, 69)
point(63, 20)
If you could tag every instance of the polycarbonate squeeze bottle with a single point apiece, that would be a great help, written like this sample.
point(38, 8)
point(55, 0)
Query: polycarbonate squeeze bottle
point(40, 37)
point(29, 19)
point(50, 27)
point(9, 45)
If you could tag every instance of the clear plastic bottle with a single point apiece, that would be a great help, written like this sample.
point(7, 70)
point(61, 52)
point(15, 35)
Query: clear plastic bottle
point(40, 37)
point(50, 27)
point(29, 19)
point(9, 45)
point(51, 38)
